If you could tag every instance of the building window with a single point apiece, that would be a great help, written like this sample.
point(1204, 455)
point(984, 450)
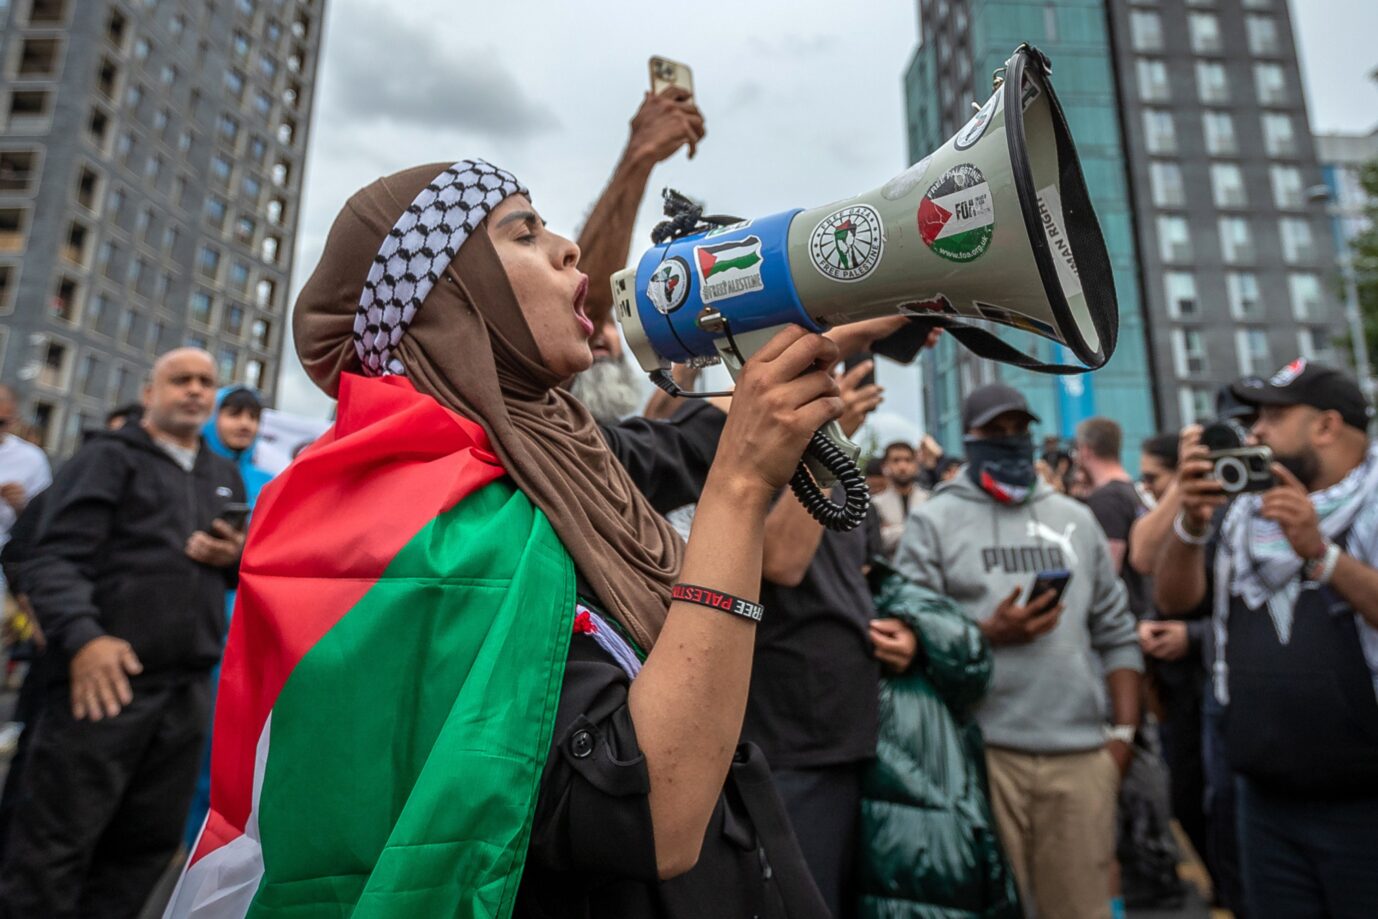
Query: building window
point(167, 74)
point(1174, 239)
point(1308, 301)
point(29, 107)
point(1227, 185)
point(18, 169)
point(267, 67)
point(1253, 351)
point(258, 149)
point(1197, 404)
point(1258, 4)
point(215, 209)
point(1160, 135)
point(201, 305)
point(65, 300)
point(97, 128)
point(1189, 352)
point(106, 257)
point(116, 28)
point(124, 146)
point(1271, 84)
point(269, 249)
point(239, 276)
point(177, 24)
point(227, 360)
point(260, 332)
point(184, 140)
point(234, 319)
point(1245, 300)
point(13, 229)
point(1165, 180)
point(1153, 83)
point(108, 79)
point(74, 249)
point(282, 171)
point(234, 84)
point(253, 373)
point(153, 169)
point(240, 42)
point(1298, 244)
point(1211, 85)
point(208, 261)
point(1287, 190)
point(170, 238)
point(1314, 344)
point(228, 128)
point(263, 293)
point(287, 132)
point(1263, 35)
point(38, 57)
point(1181, 294)
point(142, 49)
point(53, 371)
point(1218, 128)
point(251, 187)
point(244, 229)
point(47, 12)
point(1145, 30)
point(1236, 240)
point(1204, 29)
point(220, 168)
point(89, 375)
point(263, 103)
point(1279, 136)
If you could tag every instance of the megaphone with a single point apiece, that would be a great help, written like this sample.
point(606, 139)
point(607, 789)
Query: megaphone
point(995, 226)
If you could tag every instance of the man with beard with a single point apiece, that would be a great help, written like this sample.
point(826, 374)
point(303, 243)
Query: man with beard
point(613, 387)
point(900, 464)
point(1295, 612)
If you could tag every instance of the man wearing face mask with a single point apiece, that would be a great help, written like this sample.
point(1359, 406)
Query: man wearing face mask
point(1054, 759)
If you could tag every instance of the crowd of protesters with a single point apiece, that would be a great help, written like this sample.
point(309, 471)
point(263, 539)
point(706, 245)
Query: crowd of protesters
point(992, 700)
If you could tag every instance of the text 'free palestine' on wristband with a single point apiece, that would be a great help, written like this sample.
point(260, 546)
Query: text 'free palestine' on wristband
point(716, 599)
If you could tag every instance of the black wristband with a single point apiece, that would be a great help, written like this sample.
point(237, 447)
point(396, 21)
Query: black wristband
point(716, 599)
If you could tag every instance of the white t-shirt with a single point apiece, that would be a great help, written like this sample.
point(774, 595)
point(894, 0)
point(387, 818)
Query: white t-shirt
point(22, 462)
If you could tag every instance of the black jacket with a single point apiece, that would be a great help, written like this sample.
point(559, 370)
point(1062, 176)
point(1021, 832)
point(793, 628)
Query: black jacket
point(110, 557)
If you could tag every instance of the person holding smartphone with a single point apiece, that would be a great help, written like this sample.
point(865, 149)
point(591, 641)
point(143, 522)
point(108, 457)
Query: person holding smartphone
point(1033, 569)
point(127, 578)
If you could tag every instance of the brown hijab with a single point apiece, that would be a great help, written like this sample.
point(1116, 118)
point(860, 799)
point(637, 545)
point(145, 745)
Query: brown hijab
point(470, 348)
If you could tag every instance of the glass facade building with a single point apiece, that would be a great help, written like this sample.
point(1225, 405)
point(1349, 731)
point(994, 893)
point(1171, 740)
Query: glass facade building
point(961, 45)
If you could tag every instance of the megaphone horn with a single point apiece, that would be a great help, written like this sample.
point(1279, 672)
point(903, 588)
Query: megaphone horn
point(995, 226)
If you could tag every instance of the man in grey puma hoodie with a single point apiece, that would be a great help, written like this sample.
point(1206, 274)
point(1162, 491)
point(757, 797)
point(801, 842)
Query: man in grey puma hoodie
point(1054, 759)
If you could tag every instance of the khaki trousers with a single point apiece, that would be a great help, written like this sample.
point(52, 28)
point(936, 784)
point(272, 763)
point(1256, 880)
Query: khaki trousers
point(1056, 818)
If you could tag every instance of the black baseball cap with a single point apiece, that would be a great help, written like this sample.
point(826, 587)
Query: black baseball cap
point(1304, 382)
point(986, 403)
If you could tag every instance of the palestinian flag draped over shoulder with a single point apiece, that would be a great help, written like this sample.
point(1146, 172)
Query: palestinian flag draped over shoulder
point(391, 678)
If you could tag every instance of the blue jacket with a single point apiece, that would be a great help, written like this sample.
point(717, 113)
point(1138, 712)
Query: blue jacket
point(254, 477)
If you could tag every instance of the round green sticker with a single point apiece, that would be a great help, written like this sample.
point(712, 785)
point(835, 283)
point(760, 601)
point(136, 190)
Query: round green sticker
point(957, 214)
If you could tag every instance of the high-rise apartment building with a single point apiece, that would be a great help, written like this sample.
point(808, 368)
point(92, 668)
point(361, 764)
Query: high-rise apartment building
point(1237, 261)
point(150, 178)
point(962, 43)
point(1192, 128)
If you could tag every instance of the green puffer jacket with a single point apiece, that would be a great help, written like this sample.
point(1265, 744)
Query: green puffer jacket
point(929, 845)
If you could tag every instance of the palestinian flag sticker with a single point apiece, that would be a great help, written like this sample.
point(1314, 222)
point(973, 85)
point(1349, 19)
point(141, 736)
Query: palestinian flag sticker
point(957, 214)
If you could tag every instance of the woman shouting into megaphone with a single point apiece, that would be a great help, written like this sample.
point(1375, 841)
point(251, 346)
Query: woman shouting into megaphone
point(472, 673)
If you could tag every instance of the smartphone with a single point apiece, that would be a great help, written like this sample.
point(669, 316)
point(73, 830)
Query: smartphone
point(666, 73)
point(1055, 579)
point(235, 514)
point(903, 346)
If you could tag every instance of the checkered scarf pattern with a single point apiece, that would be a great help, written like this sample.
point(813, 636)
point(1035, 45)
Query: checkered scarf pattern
point(415, 252)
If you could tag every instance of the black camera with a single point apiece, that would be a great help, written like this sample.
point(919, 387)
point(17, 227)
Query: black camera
point(1239, 468)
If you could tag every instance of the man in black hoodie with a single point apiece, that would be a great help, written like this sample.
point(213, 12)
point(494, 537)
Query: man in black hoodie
point(128, 580)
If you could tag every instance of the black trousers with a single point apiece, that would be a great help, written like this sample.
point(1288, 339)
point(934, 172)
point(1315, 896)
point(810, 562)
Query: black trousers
point(1307, 859)
point(824, 804)
point(27, 710)
point(105, 802)
point(1185, 757)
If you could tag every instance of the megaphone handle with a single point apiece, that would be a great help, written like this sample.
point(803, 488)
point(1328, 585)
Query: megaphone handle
point(823, 451)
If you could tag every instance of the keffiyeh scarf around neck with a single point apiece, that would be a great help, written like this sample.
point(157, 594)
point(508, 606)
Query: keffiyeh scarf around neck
point(1257, 564)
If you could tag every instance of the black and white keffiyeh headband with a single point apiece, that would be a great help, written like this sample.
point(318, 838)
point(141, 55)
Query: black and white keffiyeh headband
point(415, 252)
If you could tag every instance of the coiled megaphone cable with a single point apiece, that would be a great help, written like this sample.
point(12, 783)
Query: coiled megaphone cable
point(846, 516)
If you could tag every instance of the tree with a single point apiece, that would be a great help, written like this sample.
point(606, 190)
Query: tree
point(1363, 249)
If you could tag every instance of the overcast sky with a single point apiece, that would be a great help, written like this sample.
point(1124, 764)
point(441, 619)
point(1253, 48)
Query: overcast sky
point(803, 101)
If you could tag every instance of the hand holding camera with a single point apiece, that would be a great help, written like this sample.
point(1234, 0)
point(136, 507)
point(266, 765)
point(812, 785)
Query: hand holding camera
point(1289, 505)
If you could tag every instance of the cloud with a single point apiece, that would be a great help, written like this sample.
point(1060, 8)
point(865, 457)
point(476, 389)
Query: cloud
point(387, 72)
